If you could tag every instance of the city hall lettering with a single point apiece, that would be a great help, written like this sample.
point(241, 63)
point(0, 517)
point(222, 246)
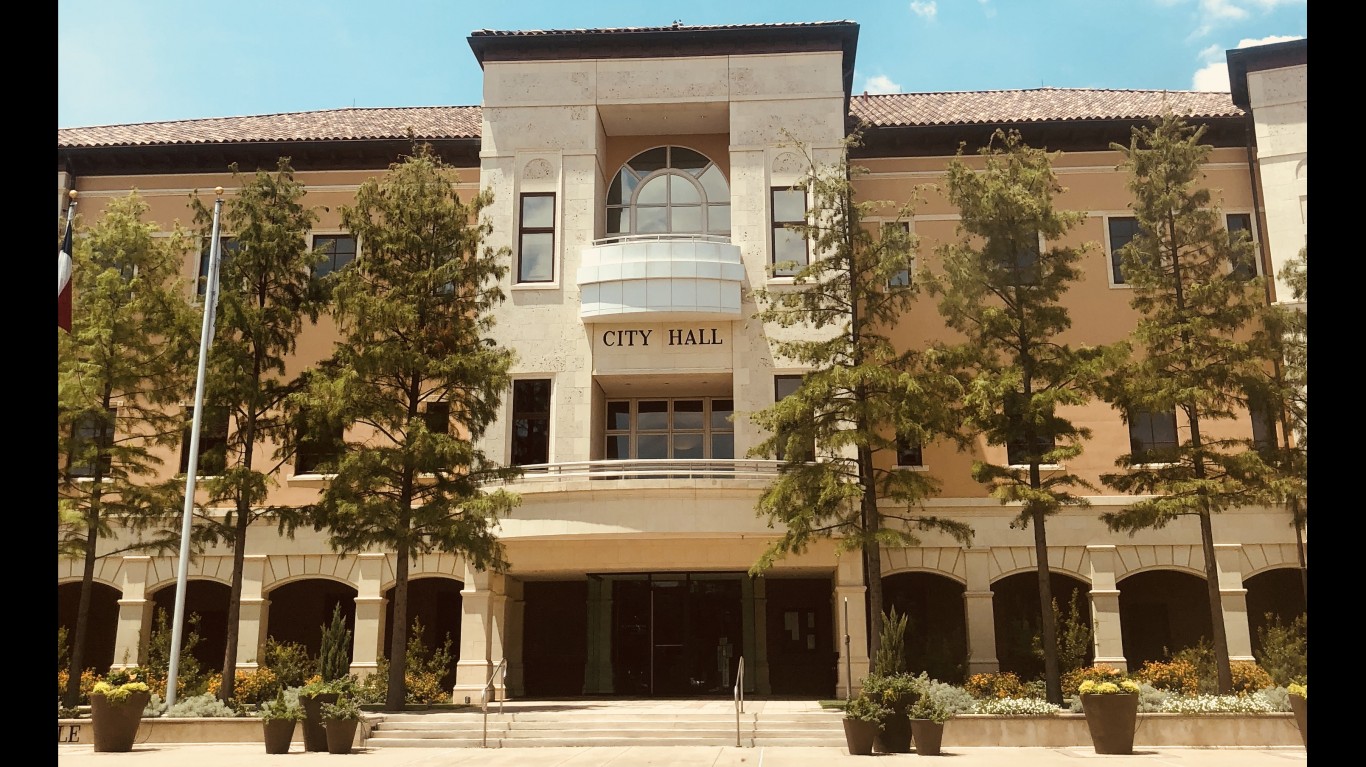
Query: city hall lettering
point(674, 337)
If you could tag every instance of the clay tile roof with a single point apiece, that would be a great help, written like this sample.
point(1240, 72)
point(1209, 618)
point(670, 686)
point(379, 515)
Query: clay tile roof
point(325, 125)
point(1035, 105)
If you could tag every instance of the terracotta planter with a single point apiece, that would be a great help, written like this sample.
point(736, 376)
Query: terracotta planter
point(116, 724)
point(859, 735)
point(928, 736)
point(340, 734)
point(1112, 720)
point(1300, 705)
point(315, 736)
point(279, 733)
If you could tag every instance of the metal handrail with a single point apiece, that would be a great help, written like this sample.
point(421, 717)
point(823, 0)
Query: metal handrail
point(651, 469)
point(693, 236)
point(484, 696)
point(739, 697)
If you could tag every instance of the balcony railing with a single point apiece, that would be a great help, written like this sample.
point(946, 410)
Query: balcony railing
point(614, 239)
point(658, 469)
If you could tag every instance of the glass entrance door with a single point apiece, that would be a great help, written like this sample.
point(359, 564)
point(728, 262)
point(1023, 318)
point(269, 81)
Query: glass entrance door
point(675, 634)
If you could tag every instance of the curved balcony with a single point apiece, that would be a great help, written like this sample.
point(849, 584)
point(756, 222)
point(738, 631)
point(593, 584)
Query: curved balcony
point(660, 277)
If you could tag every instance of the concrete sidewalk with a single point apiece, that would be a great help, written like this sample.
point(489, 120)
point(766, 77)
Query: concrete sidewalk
point(237, 754)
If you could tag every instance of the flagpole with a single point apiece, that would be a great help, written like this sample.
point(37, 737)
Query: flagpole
point(205, 339)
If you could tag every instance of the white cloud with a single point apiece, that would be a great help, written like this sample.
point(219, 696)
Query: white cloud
point(1211, 53)
point(924, 8)
point(986, 8)
point(1214, 75)
point(878, 84)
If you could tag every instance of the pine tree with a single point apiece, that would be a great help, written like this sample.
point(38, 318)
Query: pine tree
point(1003, 291)
point(1196, 351)
point(122, 373)
point(861, 393)
point(266, 290)
point(416, 380)
point(334, 654)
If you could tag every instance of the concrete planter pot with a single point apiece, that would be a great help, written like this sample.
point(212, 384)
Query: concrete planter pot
point(341, 733)
point(116, 724)
point(1112, 719)
point(1300, 705)
point(315, 736)
point(279, 733)
point(928, 735)
point(859, 736)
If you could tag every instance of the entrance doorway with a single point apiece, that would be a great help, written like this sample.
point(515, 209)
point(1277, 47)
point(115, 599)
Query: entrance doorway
point(674, 633)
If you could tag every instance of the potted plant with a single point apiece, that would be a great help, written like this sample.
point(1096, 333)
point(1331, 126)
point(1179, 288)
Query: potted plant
point(313, 696)
point(116, 713)
point(278, 719)
point(927, 717)
point(897, 692)
point(340, 721)
point(863, 719)
point(1299, 703)
point(1111, 710)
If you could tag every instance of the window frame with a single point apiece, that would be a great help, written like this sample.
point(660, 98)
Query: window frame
point(1251, 229)
point(515, 453)
point(629, 206)
point(229, 245)
point(1116, 273)
point(319, 449)
point(523, 230)
point(1011, 405)
point(776, 225)
point(216, 439)
point(709, 430)
point(778, 395)
point(317, 241)
point(86, 471)
point(1140, 420)
point(903, 277)
point(905, 448)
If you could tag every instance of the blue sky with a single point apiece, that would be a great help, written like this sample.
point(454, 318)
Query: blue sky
point(127, 61)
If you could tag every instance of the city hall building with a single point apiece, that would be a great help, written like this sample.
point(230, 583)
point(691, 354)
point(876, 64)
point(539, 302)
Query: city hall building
point(642, 178)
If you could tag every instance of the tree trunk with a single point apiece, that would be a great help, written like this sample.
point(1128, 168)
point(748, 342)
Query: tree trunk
point(398, 643)
point(1216, 606)
point(239, 547)
point(1048, 626)
point(73, 683)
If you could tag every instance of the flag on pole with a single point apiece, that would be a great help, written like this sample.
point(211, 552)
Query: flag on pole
point(64, 280)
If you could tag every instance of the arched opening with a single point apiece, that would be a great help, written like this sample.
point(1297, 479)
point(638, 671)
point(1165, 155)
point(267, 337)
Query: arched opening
point(1161, 612)
point(435, 605)
point(1017, 615)
point(668, 190)
point(101, 624)
point(301, 610)
point(936, 629)
point(205, 614)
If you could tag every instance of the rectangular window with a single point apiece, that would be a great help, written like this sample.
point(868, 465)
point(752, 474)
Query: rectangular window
point(1021, 452)
point(790, 252)
point(1025, 268)
point(902, 278)
point(437, 417)
point(670, 429)
point(320, 451)
point(227, 245)
point(1152, 436)
point(530, 421)
point(783, 387)
point(908, 452)
point(1121, 230)
point(91, 433)
point(1243, 269)
point(1263, 425)
point(536, 238)
point(213, 441)
point(338, 251)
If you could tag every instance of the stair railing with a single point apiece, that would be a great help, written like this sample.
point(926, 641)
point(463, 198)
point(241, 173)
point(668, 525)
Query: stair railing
point(739, 697)
point(488, 688)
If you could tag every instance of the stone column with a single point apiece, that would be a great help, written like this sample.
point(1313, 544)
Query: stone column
point(979, 613)
point(251, 623)
point(851, 620)
point(368, 636)
point(478, 654)
point(1233, 598)
point(134, 627)
point(1105, 625)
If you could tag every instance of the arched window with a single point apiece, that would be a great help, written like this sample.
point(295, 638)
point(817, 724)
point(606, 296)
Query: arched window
point(668, 190)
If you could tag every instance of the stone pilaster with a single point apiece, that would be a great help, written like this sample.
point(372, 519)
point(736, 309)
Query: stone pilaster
point(1106, 635)
point(597, 670)
point(755, 636)
point(479, 599)
point(1233, 598)
point(979, 613)
point(134, 628)
point(370, 603)
point(512, 637)
point(852, 623)
point(251, 617)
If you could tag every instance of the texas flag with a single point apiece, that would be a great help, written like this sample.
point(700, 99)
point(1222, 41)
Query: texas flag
point(64, 281)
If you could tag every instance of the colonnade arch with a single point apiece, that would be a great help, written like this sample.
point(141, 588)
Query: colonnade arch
point(1275, 595)
point(435, 602)
point(300, 609)
point(936, 627)
point(1162, 611)
point(101, 615)
point(1017, 613)
point(205, 616)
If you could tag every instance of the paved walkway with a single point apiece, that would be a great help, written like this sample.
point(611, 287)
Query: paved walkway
point(237, 754)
